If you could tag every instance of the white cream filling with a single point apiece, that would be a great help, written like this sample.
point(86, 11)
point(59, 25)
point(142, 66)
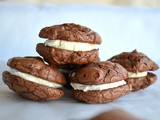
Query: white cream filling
point(34, 79)
point(85, 88)
point(72, 46)
point(136, 75)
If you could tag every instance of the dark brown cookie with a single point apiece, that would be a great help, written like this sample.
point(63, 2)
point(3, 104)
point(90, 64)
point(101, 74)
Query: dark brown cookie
point(135, 61)
point(56, 56)
point(70, 32)
point(36, 67)
point(71, 67)
point(99, 73)
point(31, 90)
point(103, 96)
point(142, 82)
point(68, 67)
point(116, 114)
point(28, 86)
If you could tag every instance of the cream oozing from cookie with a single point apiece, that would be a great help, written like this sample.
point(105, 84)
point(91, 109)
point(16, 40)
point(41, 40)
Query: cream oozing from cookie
point(86, 88)
point(72, 46)
point(34, 79)
point(137, 74)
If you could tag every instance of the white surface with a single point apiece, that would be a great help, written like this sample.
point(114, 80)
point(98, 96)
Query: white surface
point(144, 103)
point(122, 29)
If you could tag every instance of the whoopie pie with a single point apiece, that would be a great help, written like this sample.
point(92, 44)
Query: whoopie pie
point(99, 82)
point(31, 78)
point(68, 45)
point(137, 65)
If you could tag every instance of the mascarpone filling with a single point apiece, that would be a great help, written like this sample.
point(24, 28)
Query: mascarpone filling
point(72, 46)
point(136, 75)
point(34, 79)
point(86, 88)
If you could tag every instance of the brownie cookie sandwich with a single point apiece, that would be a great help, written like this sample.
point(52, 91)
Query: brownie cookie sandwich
point(138, 65)
point(99, 82)
point(32, 79)
point(68, 45)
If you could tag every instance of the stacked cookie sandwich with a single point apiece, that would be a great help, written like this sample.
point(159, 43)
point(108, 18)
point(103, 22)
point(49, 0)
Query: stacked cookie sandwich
point(68, 46)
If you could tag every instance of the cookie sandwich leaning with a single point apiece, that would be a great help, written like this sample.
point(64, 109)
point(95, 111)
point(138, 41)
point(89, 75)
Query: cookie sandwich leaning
point(31, 78)
point(137, 65)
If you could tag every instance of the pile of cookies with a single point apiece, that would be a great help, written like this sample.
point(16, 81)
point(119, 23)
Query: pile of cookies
point(70, 56)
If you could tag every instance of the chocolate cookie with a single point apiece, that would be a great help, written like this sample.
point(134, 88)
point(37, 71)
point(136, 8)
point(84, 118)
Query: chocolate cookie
point(116, 114)
point(66, 69)
point(70, 67)
point(99, 82)
point(32, 79)
point(70, 32)
point(137, 65)
point(69, 44)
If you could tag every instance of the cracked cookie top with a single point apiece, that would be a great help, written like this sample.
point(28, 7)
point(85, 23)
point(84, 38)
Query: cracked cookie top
point(36, 67)
point(135, 61)
point(70, 32)
point(99, 73)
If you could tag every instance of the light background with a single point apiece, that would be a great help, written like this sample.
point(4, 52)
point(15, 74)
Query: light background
point(121, 29)
point(147, 3)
